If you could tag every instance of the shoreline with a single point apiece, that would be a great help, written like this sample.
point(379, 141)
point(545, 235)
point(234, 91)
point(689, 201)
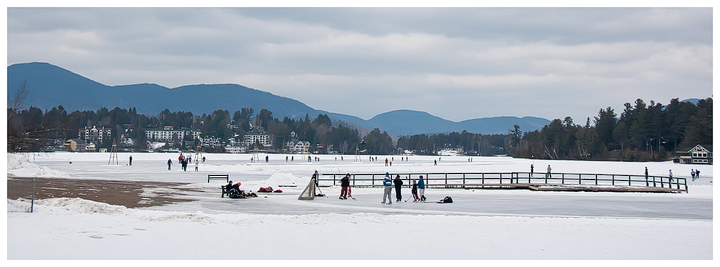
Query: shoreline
point(131, 194)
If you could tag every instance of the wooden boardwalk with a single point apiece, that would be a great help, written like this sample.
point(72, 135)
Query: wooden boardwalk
point(587, 182)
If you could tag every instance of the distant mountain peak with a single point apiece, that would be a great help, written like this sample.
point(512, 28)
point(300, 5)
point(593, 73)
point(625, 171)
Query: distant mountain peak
point(51, 86)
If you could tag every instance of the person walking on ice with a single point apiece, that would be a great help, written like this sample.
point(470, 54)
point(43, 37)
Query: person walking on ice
point(549, 172)
point(169, 163)
point(532, 169)
point(388, 189)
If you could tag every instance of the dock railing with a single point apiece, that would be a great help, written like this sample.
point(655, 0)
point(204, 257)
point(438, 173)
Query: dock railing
point(473, 180)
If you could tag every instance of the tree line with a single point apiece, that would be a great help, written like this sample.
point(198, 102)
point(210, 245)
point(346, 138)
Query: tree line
point(31, 129)
point(641, 132)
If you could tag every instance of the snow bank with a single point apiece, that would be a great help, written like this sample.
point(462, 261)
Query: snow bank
point(79, 205)
point(18, 165)
point(286, 179)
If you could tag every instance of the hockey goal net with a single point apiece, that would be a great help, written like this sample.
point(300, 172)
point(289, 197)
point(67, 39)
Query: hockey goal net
point(309, 192)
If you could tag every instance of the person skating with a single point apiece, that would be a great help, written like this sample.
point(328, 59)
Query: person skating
point(169, 163)
point(421, 189)
point(130, 160)
point(345, 183)
point(388, 189)
point(316, 176)
point(398, 187)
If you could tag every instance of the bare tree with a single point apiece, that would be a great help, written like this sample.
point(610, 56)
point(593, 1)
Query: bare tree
point(18, 100)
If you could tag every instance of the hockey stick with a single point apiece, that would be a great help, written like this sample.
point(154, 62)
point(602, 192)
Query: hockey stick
point(318, 188)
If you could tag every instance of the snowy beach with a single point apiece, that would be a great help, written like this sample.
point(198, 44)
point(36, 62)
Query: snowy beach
point(479, 225)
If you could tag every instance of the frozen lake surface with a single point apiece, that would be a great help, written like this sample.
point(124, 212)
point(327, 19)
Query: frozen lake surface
point(605, 223)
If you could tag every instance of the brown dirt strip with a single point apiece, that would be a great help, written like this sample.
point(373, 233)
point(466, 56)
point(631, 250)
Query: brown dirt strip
point(124, 193)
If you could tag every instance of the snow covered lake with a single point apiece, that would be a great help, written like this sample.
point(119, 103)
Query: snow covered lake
point(479, 225)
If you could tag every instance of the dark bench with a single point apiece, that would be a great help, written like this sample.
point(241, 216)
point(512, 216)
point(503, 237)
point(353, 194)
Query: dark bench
point(219, 176)
point(225, 191)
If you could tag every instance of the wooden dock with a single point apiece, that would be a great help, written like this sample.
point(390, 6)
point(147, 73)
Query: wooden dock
point(588, 182)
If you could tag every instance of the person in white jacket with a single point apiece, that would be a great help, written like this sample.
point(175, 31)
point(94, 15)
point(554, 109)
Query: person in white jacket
point(387, 182)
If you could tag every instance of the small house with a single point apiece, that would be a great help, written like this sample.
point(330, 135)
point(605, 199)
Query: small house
point(700, 154)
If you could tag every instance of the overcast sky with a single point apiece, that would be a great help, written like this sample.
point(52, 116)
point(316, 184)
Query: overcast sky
point(455, 63)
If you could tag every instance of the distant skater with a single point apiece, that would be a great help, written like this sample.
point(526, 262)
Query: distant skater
point(197, 161)
point(169, 163)
point(549, 172)
point(532, 169)
point(670, 174)
point(130, 160)
point(398, 187)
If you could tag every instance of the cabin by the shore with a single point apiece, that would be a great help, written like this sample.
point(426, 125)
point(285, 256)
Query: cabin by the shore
point(700, 154)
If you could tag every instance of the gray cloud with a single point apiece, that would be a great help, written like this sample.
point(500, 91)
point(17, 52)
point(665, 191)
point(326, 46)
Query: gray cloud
point(456, 63)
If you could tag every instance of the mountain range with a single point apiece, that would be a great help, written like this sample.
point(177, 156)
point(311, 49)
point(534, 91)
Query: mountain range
point(51, 86)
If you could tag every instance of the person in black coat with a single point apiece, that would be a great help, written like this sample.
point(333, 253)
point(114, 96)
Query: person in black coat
point(345, 183)
point(398, 187)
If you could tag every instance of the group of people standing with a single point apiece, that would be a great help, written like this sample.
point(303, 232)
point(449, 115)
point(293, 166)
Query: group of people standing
point(418, 188)
point(183, 161)
point(695, 174)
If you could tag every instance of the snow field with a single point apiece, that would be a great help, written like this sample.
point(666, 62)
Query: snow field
point(83, 229)
point(480, 225)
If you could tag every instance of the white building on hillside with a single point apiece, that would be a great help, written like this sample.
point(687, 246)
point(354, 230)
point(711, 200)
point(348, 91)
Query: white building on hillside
point(94, 134)
point(251, 138)
point(298, 146)
point(169, 134)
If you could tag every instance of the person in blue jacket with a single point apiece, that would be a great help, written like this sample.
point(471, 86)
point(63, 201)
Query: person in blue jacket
point(421, 188)
point(388, 189)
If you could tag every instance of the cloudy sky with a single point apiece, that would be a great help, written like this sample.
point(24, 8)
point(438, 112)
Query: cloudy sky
point(455, 63)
